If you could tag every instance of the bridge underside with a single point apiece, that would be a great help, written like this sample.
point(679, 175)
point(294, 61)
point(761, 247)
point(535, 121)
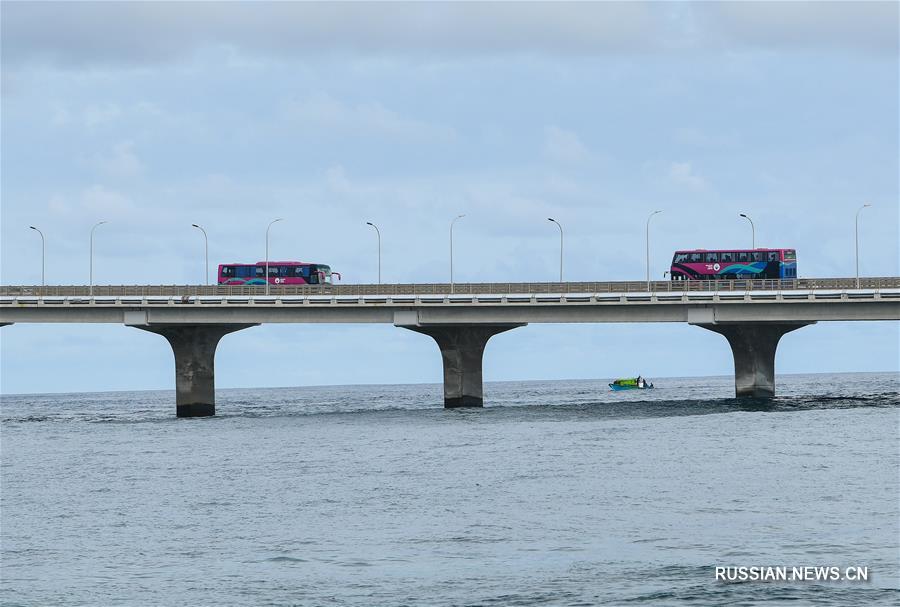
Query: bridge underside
point(460, 332)
point(753, 346)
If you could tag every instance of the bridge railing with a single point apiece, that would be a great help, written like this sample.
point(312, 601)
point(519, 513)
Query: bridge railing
point(495, 288)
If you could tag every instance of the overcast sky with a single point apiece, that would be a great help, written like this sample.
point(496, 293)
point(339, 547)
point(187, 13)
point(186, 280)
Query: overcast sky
point(153, 116)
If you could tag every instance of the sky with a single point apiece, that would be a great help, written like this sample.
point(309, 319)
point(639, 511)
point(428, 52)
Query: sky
point(154, 116)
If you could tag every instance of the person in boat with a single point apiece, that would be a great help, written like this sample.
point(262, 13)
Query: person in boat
point(640, 382)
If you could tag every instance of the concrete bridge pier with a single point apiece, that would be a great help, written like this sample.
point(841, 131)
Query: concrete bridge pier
point(753, 346)
point(462, 350)
point(194, 347)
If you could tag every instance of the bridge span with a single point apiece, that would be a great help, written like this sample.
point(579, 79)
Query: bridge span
point(461, 318)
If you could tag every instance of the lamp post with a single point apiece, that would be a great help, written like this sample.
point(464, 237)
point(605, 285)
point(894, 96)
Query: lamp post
point(752, 230)
point(206, 249)
point(42, 254)
point(451, 249)
point(91, 287)
point(560, 246)
point(857, 241)
point(267, 251)
point(649, 217)
point(378, 232)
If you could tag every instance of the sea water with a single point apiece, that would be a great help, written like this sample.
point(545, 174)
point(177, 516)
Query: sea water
point(556, 493)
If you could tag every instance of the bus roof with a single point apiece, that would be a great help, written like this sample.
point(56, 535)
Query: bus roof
point(728, 250)
point(273, 263)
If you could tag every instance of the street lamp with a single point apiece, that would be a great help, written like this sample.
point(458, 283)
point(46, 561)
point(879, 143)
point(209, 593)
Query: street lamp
point(857, 241)
point(560, 246)
point(267, 251)
point(206, 248)
point(752, 228)
point(378, 232)
point(42, 254)
point(91, 287)
point(451, 249)
point(649, 217)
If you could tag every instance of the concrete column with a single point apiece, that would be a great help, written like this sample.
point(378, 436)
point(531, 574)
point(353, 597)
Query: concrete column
point(753, 346)
point(194, 347)
point(462, 349)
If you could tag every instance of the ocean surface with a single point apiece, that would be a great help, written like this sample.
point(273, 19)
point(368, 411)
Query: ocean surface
point(556, 493)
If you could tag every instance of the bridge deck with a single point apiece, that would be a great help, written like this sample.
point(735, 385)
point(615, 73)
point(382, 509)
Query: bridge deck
point(480, 299)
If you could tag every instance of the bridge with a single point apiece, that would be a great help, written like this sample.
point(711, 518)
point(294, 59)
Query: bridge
point(752, 315)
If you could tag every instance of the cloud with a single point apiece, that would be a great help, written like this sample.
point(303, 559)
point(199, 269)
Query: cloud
point(121, 162)
point(682, 174)
point(701, 138)
point(140, 33)
point(60, 115)
point(322, 112)
point(99, 115)
point(870, 26)
point(108, 203)
point(94, 202)
point(564, 146)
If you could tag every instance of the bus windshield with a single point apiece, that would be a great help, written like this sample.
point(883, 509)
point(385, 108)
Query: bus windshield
point(320, 273)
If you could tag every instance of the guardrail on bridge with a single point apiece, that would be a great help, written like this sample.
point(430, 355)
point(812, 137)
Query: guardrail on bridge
point(493, 288)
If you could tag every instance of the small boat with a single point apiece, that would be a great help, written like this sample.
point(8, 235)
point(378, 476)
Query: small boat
point(631, 383)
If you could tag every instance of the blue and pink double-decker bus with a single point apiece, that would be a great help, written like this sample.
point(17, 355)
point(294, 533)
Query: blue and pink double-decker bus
point(280, 273)
point(734, 264)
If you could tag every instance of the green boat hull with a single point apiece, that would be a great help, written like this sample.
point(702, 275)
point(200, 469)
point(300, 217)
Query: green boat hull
point(630, 384)
point(618, 387)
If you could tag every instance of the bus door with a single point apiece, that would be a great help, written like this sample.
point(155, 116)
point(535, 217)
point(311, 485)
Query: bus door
point(773, 264)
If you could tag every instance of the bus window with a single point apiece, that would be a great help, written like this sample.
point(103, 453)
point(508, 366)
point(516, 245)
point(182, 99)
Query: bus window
point(743, 256)
point(260, 271)
point(774, 256)
point(758, 256)
point(712, 257)
point(696, 257)
point(680, 258)
point(790, 255)
point(727, 257)
point(228, 271)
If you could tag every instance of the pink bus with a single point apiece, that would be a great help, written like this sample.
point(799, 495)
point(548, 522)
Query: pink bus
point(280, 273)
point(734, 264)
